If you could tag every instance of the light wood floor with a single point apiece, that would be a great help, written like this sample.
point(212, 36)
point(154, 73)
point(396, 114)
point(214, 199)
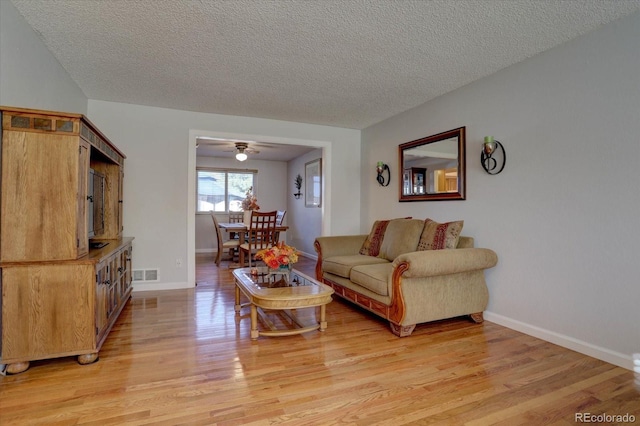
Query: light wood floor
point(182, 357)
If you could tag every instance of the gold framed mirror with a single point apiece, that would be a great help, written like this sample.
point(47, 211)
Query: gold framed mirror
point(433, 168)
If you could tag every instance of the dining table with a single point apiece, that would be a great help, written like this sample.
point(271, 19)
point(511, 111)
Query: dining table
point(241, 229)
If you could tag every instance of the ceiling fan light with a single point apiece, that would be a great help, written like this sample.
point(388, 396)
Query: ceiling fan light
point(241, 156)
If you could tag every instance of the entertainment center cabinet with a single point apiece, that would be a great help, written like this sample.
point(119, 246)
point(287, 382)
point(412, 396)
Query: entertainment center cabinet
point(65, 266)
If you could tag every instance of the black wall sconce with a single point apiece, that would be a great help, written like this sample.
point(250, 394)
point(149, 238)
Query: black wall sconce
point(380, 169)
point(298, 183)
point(492, 156)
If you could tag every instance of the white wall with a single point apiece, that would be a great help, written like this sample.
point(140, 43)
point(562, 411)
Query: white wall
point(30, 76)
point(305, 223)
point(270, 189)
point(159, 185)
point(563, 215)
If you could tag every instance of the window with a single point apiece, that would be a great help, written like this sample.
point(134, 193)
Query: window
point(222, 190)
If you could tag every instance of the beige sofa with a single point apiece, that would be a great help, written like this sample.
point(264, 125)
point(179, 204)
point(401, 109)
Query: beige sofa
point(403, 271)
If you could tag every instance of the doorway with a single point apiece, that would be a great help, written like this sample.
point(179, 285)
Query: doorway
point(324, 146)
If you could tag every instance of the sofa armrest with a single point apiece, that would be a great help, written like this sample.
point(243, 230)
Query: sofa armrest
point(443, 262)
point(339, 245)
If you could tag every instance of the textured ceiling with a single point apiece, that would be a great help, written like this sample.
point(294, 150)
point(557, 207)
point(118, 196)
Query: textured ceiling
point(340, 63)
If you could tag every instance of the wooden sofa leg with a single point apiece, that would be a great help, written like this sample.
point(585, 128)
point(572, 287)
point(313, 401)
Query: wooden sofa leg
point(477, 317)
point(402, 330)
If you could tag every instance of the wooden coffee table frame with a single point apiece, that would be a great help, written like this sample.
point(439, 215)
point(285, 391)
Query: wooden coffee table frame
point(263, 296)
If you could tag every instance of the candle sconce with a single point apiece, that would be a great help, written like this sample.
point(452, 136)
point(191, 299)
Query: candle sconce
point(492, 156)
point(298, 183)
point(380, 169)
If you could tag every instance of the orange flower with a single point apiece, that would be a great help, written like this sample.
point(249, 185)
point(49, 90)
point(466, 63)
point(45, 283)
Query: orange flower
point(278, 255)
point(272, 263)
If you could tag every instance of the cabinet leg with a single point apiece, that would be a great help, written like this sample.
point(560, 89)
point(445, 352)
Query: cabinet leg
point(17, 367)
point(87, 358)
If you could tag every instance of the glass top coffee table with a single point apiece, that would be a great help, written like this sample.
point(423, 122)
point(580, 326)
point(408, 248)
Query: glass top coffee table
point(273, 294)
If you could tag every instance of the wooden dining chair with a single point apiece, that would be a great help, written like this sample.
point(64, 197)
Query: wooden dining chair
point(231, 245)
point(279, 219)
point(235, 217)
point(260, 234)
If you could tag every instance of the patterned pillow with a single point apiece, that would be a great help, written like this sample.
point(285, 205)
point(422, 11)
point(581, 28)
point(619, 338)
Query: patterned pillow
point(371, 245)
point(438, 236)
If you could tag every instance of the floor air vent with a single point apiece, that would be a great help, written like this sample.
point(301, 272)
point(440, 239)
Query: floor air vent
point(143, 275)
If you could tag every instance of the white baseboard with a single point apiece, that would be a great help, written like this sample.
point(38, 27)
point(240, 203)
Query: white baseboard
point(308, 255)
point(160, 286)
point(615, 358)
point(206, 250)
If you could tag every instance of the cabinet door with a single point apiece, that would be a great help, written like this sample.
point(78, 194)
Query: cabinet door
point(47, 311)
point(114, 297)
point(112, 200)
point(126, 271)
point(122, 268)
point(113, 287)
point(102, 303)
point(39, 210)
point(107, 299)
point(83, 203)
point(120, 202)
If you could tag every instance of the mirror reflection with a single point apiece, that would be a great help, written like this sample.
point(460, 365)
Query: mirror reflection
point(432, 168)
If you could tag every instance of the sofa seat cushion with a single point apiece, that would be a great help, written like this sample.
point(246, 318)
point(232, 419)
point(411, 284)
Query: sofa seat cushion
point(342, 265)
point(373, 277)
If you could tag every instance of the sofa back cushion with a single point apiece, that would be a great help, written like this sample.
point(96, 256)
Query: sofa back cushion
point(438, 236)
point(465, 242)
point(401, 236)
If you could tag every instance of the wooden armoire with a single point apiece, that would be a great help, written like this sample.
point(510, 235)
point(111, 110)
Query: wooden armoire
point(65, 266)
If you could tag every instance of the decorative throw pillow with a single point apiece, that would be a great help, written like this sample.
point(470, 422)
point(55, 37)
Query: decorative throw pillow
point(401, 236)
point(371, 245)
point(438, 236)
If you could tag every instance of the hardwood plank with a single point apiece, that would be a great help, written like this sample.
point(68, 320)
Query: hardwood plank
point(183, 357)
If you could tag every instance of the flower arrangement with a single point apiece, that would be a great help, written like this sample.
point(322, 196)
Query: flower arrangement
point(250, 202)
point(278, 255)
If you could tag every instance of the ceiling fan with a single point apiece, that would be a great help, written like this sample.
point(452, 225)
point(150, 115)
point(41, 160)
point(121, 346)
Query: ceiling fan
point(240, 147)
point(243, 149)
